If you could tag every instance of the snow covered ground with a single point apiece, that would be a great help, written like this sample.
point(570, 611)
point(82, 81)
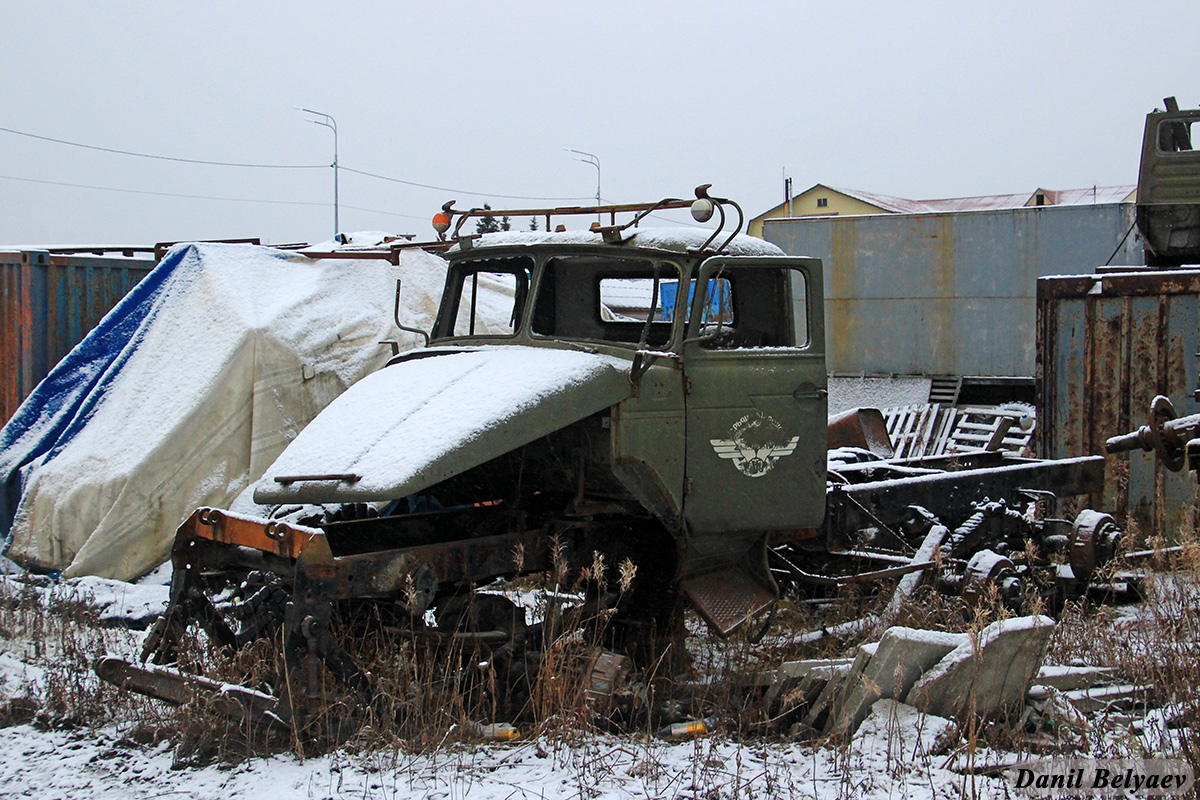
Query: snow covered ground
point(897, 752)
point(99, 764)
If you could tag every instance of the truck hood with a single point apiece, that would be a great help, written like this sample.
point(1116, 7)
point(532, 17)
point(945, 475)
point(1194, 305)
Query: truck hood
point(418, 422)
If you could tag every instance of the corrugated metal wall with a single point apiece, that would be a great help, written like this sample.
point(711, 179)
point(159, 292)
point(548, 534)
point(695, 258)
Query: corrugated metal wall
point(1107, 344)
point(949, 294)
point(50, 302)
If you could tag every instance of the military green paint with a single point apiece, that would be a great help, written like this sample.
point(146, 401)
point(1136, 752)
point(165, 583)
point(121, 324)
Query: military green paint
point(772, 400)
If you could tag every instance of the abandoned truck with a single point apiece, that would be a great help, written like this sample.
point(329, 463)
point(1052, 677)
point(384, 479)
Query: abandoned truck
point(1168, 193)
point(656, 400)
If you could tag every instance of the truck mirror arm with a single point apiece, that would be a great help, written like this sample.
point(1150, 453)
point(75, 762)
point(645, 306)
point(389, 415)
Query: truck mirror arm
point(402, 326)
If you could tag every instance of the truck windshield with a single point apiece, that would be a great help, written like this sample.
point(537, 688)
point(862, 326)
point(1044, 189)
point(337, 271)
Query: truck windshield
point(485, 298)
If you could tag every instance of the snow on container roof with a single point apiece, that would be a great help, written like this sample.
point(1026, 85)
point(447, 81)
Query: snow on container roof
point(680, 240)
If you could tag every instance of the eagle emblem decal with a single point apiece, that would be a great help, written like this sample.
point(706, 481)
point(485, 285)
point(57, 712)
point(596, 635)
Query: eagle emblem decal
point(755, 443)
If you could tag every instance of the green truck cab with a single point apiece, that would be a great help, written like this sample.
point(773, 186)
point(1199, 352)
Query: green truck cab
point(1168, 193)
point(654, 394)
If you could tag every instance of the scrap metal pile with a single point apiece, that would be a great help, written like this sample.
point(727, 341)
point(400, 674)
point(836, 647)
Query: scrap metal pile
point(976, 522)
point(650, 428)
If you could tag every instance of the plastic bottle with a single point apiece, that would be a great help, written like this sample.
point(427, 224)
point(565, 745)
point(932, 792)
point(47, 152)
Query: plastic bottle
point(696, 727)
point(497, 731)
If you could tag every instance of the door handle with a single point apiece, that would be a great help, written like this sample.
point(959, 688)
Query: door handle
point(809, 392)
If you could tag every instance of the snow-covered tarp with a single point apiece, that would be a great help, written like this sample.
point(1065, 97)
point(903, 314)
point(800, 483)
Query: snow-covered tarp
point(187, 391)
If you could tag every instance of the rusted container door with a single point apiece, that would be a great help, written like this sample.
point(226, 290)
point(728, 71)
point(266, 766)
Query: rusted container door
point(50, 302)
point(1107, 344)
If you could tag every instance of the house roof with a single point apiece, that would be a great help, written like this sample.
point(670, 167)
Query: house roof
point(897, 205)
point(990, 202)
point(987, 202)
point(1091, 194)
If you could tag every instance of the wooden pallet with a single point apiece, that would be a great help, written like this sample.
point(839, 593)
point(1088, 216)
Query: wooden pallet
point(992, 429)
point(919, 430)
point(932, 429)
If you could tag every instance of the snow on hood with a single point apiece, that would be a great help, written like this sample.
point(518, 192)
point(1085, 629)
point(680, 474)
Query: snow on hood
point(680, 240)
point(421, 421)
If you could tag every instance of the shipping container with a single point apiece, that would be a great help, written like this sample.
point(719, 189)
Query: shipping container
point(1108, 343)
point(50, 303)
point(949, 293)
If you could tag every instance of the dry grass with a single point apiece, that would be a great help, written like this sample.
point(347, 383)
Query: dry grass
point(59, 637)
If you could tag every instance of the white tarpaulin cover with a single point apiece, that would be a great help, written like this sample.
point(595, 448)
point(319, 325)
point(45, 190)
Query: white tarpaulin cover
point(187, 391)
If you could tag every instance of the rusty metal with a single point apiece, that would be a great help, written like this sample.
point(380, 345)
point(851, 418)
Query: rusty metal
point(610, 234)
point(161, 248)
point(1093, 544)
point(727, 599)
point(988, 569)
point(607, 673)
point(180, 688)
point(391, 253)
point(272, 536)
point(954, 493)
point(561, 211)
point(879, 512)
point(396, 318)
point(1166, 435)
point(861, 427)
point(885, 574)
point(126, 251)
point(1107, 345)
point(340, 477)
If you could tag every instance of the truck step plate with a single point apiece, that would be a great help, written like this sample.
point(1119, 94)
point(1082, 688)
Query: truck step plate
point(727, 597)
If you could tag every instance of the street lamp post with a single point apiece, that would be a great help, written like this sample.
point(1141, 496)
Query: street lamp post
point(331, 123)
point(594, 160)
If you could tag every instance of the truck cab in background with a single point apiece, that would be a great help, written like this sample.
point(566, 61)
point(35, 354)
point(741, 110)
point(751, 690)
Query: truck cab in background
point(1168, 193)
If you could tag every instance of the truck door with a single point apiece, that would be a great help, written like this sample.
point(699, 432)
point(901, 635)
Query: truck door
point(756, 410)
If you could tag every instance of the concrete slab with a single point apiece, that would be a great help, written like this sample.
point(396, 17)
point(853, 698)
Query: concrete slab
point(987, 673)
point(894, 733)
point(901, 657)
point(837, 675)
point(796, 694)
point(798, 669)
point(797, 682)
point(1107, 698)
point(1070, 678)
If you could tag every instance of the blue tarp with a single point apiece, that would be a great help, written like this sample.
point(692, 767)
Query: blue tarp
point(186, 392)
point(718, 306)
point(61, 405)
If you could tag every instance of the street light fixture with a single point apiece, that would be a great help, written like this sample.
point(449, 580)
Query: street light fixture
point(594, 160)
point(331, 123)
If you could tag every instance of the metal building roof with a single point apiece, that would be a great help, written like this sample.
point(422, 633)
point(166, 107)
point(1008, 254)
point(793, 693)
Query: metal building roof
point(991, 202)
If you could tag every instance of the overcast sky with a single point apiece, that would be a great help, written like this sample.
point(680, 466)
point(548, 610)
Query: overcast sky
point(919, 100)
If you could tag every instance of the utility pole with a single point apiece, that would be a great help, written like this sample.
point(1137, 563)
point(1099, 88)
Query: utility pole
point(331, 123)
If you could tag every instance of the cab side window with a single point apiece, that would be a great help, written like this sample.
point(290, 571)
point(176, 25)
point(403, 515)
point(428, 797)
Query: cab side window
point(754, 307)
